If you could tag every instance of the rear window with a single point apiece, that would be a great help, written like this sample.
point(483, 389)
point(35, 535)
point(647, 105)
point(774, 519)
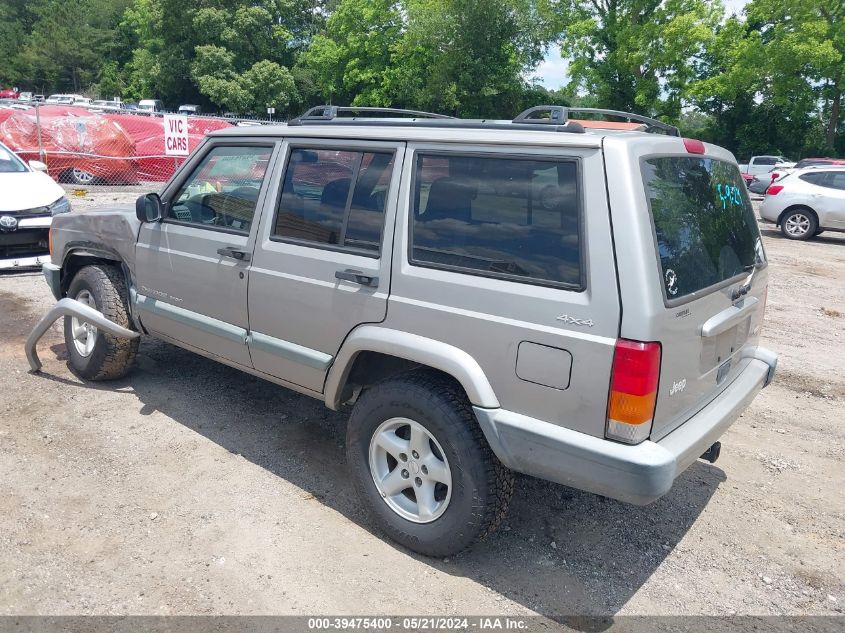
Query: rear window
point(703, 221)
point(815, 178)
point(835, 180)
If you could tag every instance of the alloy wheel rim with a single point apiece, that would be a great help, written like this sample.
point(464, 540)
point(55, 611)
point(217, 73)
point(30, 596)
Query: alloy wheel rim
point(410, 470)
point(798, 224)
point(84, 334)
point(82, 176)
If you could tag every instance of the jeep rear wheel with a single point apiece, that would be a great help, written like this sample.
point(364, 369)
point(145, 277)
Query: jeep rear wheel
point(422, 467)
point(96, 355)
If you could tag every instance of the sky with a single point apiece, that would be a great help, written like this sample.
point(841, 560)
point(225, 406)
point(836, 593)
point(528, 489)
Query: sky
point(552, 70)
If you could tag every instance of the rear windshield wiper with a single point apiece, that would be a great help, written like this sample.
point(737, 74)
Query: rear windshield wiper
point(746, 285)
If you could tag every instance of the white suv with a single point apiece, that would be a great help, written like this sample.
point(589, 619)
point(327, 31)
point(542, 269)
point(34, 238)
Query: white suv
point(807, 202)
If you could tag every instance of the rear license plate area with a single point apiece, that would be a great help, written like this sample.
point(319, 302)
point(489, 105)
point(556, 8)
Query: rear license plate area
point(720, 349)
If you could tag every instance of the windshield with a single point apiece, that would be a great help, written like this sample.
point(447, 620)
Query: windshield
point(703, 221)
point(9, 163)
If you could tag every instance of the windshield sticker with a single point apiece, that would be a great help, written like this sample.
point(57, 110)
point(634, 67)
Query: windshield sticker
point(671, 282)
point(729, 194)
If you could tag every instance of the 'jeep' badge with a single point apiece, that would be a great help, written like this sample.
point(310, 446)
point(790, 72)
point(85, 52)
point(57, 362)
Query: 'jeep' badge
point(8, 223)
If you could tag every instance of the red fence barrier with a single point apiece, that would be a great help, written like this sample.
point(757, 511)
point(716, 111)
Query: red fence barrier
point(97, 148)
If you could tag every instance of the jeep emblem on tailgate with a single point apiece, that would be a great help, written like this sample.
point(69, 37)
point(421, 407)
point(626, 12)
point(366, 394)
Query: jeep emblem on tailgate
point(8, 223)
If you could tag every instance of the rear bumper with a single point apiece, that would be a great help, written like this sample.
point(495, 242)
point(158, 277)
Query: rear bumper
point(769, 212)
point(635, 474)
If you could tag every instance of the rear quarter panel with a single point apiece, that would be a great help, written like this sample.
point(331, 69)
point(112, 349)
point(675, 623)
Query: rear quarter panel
point(491, 318)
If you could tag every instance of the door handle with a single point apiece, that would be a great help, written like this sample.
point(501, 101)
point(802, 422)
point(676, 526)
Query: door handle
point(356, 277)
point(234, 253)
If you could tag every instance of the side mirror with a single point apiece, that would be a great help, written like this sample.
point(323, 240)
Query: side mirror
point(149, 208)
point(37, 165)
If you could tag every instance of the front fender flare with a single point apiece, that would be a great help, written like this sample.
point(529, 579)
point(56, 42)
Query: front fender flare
point(419, 349)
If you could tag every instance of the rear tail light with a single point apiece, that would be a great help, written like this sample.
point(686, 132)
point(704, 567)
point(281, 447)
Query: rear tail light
point(633, 391)
point(774, 190)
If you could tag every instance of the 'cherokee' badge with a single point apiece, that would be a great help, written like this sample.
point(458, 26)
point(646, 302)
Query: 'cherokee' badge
point(8, 223)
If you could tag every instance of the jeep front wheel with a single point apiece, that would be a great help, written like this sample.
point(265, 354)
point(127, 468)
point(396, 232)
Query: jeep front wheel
point(96, 355)
point(422, 467)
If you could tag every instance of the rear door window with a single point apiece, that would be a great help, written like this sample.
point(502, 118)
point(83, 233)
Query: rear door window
point(335, 198)
point(703, 221)
point(514, 218)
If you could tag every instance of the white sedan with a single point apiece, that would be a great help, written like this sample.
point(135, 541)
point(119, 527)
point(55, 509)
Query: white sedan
point(807, 202)
point(29, 199)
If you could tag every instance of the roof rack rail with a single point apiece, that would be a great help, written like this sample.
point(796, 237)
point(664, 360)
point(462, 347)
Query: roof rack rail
point(323, 115)
point(330, 112)
point(558, 115)
point(631, 117)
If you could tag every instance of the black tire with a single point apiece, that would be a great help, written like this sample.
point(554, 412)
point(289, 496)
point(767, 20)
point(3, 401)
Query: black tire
point(111, 357)
point(799, 224)
point(481, 486)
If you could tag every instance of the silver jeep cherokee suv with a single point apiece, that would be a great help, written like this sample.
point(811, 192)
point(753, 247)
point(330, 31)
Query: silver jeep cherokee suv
point(576, 300)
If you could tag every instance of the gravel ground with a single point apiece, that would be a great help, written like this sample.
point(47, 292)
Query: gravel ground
point(190, 488)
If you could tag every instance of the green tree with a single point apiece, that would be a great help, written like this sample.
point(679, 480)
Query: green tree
point(58, 44)
point(176, 40)
point(16, 20)
point(468, 56)
point(462, 56)
point(351, 59)
point(805, 53)
point(634, 55)
point(269, 85)
point(772, 83)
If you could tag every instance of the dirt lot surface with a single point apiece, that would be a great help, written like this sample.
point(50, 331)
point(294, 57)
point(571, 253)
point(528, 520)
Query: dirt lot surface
point(190, 488)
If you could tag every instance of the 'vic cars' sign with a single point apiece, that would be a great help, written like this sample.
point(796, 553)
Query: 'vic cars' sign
point(175, 135)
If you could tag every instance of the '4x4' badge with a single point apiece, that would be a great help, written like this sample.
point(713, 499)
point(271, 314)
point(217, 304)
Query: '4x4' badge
point(569, 320)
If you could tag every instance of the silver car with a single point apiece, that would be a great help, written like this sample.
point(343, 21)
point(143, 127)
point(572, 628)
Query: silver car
point(544, 295)
point(807, 202)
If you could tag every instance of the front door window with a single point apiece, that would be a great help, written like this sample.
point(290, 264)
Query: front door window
point(222, 191)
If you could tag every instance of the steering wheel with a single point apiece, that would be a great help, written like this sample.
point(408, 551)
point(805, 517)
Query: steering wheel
point(221, 218)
